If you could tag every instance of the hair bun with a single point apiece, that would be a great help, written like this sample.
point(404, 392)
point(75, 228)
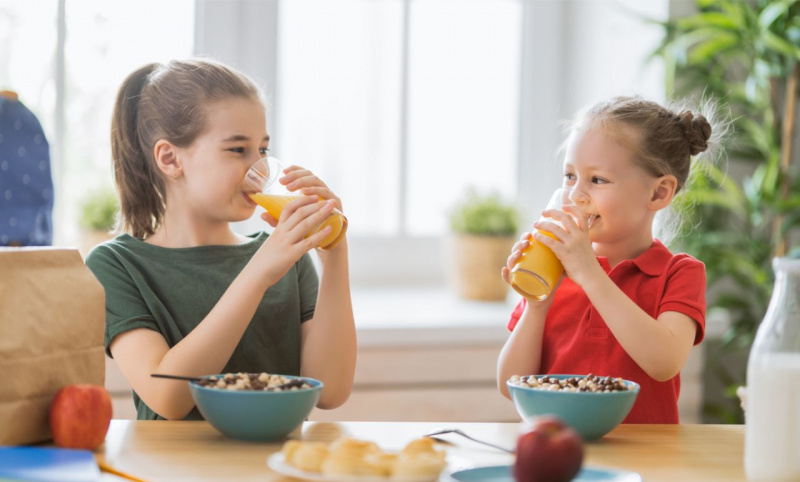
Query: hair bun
point(697, 131)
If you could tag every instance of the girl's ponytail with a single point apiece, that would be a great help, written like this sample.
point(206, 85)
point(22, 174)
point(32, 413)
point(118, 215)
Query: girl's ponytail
point(141, 189)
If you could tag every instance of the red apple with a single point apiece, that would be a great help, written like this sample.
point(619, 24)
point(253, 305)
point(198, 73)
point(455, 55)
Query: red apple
point(80, 416)
point(550, 451)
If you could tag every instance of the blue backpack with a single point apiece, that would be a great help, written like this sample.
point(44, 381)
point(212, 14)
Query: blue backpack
point(26, 186)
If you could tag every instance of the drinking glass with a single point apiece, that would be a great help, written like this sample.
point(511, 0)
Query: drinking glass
point(262, 186)
point(537, 272)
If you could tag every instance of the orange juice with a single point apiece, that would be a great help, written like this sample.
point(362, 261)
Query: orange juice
point(274, 205)
point(535, 275)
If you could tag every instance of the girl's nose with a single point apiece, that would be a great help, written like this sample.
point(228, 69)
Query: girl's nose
point(580, 198)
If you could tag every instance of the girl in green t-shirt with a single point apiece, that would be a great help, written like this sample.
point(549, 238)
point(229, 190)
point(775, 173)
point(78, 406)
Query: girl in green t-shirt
point(185, 294)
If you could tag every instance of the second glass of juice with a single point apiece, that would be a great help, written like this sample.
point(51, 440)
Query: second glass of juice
point(262, 186)
point(538, 270)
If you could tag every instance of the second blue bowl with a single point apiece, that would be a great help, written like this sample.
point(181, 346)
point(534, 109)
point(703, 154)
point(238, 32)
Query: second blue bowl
point(591, 414)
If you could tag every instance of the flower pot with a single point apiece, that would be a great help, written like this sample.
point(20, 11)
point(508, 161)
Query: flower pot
point(474, 264)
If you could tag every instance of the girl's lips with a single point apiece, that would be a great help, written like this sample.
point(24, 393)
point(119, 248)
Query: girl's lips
point(247, 198)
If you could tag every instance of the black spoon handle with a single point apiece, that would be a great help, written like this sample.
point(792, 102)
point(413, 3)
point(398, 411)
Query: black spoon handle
point(175, 377)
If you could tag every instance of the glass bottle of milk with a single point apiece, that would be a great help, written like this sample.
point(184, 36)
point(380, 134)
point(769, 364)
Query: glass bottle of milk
point(772, 417)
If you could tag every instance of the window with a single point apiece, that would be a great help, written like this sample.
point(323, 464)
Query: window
point(99, 43)
point(400, 106)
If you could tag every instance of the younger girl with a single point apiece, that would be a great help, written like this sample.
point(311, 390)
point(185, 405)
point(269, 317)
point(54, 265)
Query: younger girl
point(627, 307)
point(185, 295)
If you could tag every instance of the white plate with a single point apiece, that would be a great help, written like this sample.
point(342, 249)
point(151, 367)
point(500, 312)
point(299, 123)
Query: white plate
point(277, 463)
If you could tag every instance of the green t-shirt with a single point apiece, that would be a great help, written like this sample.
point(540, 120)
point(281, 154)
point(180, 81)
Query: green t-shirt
point(171, 290)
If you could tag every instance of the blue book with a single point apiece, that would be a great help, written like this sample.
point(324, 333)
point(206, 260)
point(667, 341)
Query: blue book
point(44, 464)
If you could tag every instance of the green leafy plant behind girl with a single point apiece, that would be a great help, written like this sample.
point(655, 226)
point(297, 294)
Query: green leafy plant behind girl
point(627, 307)
point(185, 294)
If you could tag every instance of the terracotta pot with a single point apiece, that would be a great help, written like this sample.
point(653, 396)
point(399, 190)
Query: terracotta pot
point(474, 263)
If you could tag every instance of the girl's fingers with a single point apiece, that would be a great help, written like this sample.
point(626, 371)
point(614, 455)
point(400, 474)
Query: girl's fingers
point(525, 237)
point(511, 261)
point(311, 216)
point(546, 240)
point(317, 238)
point(292, 168)
point(322, 191)
point(290, 176)
point(552, 228)
point(556, 214)
point(520, 245)
point(270, 219)
point(307, 202)
point(579, 217)
point(505, 274)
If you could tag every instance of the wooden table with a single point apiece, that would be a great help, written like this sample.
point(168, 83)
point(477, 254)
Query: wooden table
point(195, 451)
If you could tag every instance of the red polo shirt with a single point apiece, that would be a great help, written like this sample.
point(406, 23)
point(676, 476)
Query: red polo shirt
point(577, 341)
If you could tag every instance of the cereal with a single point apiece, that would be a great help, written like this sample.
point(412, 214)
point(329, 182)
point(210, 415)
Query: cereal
point(589, 383)
point(253, 382)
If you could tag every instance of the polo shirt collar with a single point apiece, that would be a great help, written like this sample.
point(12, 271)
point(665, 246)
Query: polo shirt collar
point(651, 262)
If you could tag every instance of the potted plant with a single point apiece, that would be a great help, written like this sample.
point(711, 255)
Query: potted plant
point(98, 216)
point(483, 228)
point(745, 54)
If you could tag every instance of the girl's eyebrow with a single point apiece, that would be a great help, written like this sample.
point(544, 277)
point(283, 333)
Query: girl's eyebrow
point(241, 137)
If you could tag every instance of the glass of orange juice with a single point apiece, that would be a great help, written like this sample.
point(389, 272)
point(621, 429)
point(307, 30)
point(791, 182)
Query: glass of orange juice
point(538, 270)
point(262, 186)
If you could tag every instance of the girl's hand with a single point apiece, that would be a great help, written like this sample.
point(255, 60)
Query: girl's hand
point(516, 254)
point(288, 242)
point(296, 178)
point(573, 247)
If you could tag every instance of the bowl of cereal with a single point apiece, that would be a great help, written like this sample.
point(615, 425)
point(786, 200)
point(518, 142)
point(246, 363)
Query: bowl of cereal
point(591, 405)
point(255, 406)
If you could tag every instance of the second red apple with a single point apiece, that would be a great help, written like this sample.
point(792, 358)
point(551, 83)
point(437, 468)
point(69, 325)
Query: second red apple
point(550, 451)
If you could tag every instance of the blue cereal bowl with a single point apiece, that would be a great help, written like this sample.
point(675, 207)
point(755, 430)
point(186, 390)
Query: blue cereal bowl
point(258, 416)
point(591, 414)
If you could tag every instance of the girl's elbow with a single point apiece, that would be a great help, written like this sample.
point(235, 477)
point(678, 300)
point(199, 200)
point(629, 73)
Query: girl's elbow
point(664, 374)
point(171, 413)
point(168, 410)
point(333, 399)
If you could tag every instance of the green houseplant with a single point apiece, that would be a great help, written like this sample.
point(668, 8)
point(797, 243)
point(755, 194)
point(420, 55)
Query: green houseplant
point(745, 55)
point(98, 215)
point(483, 228)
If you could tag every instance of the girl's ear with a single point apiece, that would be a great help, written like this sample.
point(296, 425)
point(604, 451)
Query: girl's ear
point(663, 191)
point(167, 160)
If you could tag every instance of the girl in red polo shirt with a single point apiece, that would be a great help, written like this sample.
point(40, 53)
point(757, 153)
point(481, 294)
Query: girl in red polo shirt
point(627, 306)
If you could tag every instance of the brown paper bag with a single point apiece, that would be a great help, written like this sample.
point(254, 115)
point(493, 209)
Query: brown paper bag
point(52, 321)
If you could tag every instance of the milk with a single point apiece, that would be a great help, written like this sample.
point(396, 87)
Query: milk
point(772, 431)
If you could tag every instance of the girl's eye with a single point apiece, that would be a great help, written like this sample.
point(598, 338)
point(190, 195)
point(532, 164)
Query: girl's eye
point(569, 176)
point(598, 180)
point(238, 150)
point(263, 150)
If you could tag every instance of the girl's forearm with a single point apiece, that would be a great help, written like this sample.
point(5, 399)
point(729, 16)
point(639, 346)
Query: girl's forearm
point(208, 347)
point(522, 353)
point(650, 343)
point(329, 339)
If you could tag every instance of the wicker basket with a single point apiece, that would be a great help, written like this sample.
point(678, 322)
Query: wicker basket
point(474, 263)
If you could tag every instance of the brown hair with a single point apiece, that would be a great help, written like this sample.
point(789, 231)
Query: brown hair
point(663, 140)
point(162, 102)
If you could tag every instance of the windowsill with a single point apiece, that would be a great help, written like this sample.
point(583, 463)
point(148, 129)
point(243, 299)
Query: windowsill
point(427, 315)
